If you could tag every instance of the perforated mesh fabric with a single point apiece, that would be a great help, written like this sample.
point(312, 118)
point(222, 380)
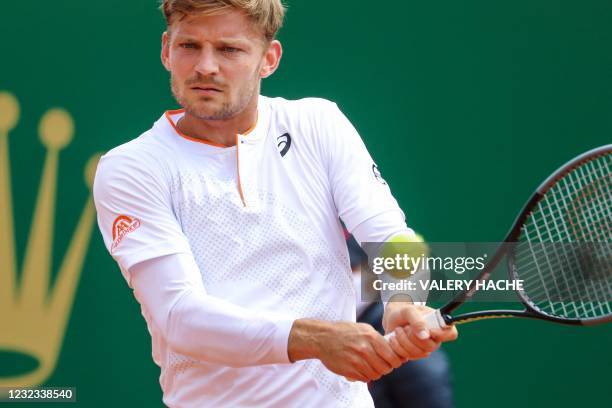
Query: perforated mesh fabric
point(266, 249)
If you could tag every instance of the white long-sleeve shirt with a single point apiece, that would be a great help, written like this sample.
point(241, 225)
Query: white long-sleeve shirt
point(247, 240)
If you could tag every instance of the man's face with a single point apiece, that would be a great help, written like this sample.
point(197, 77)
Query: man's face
point(216, 63)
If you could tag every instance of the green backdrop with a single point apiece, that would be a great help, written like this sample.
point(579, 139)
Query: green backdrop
point(466, 106)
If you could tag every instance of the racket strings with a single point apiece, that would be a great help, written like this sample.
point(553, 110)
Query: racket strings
point(564, 254)
point(559, 210)
point(557, 259)
point(591, 208)
point(564, 286)
point(567, 294)
point(577, 286)
point(590, 223)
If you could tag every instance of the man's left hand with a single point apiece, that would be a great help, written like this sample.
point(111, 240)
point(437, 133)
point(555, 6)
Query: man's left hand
point(413, 340)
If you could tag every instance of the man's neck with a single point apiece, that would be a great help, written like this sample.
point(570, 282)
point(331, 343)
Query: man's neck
point(219, 132)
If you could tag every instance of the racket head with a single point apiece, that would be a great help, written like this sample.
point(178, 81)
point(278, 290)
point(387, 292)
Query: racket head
point(567, 227)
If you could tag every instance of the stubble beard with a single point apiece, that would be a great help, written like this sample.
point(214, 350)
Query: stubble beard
point(227, 110)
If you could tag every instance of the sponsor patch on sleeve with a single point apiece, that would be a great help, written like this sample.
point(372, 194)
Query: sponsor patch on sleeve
point(122, 226)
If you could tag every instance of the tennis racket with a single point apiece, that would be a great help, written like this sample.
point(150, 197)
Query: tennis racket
point(574, 207)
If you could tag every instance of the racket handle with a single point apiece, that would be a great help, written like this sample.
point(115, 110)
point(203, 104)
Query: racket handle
point(433, 320)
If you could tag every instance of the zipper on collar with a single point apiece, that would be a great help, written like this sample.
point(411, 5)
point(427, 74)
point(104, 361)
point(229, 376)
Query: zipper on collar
point(238, 170)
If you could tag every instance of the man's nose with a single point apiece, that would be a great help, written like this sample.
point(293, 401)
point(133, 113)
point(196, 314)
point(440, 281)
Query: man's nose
point(207, 62)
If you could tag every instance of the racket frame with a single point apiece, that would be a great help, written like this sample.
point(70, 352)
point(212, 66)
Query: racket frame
point(507, 248)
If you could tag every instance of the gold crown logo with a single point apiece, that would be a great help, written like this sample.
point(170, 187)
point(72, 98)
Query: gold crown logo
point(33, 317)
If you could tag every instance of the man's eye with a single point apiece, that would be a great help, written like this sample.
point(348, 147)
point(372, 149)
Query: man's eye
point(188, 45)
point(230, 50)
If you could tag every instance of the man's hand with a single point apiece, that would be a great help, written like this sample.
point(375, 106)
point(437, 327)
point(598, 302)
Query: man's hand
point(413, 340)
point(353, 350)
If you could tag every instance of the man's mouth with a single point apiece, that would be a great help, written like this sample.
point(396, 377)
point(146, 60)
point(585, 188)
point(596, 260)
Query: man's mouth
point(204, 88)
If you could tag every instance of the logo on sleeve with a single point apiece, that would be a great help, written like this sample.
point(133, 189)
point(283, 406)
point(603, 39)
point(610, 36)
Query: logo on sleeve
point(284, 144)
point(122, 226)
point(377, 174)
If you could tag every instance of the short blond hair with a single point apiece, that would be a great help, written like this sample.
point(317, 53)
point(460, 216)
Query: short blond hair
point(267, 15)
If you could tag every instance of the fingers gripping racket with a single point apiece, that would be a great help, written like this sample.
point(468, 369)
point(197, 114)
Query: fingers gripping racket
point(573, 206)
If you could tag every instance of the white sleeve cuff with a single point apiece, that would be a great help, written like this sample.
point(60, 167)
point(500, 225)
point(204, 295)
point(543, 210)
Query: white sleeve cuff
point(281, 341)
point(381, 227)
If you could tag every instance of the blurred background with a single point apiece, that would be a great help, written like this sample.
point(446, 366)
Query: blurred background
point(465, 106)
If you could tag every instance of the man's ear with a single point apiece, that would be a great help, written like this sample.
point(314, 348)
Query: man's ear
point(272, 59)
point(165, 50)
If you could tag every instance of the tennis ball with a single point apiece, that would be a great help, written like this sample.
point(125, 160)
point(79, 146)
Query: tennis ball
point(405, 249)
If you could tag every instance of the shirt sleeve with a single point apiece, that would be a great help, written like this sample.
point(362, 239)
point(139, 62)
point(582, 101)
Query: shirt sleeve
point(203, 327)
point(134, 210)
point(359, 190)
point(381, 229)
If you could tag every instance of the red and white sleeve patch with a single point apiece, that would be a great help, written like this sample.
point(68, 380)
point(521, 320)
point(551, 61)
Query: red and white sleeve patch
point(122, 226)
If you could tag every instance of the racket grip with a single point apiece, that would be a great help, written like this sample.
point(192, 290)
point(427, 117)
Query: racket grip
point(433, 320)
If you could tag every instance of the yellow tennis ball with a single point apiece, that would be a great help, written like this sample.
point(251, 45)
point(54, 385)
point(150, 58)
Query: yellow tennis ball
point(405, 248)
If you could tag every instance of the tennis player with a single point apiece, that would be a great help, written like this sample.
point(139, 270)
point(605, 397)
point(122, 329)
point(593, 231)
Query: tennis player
point(223, 219)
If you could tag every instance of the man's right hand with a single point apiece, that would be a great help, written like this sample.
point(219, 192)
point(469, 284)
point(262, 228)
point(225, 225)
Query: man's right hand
point(353, 350)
